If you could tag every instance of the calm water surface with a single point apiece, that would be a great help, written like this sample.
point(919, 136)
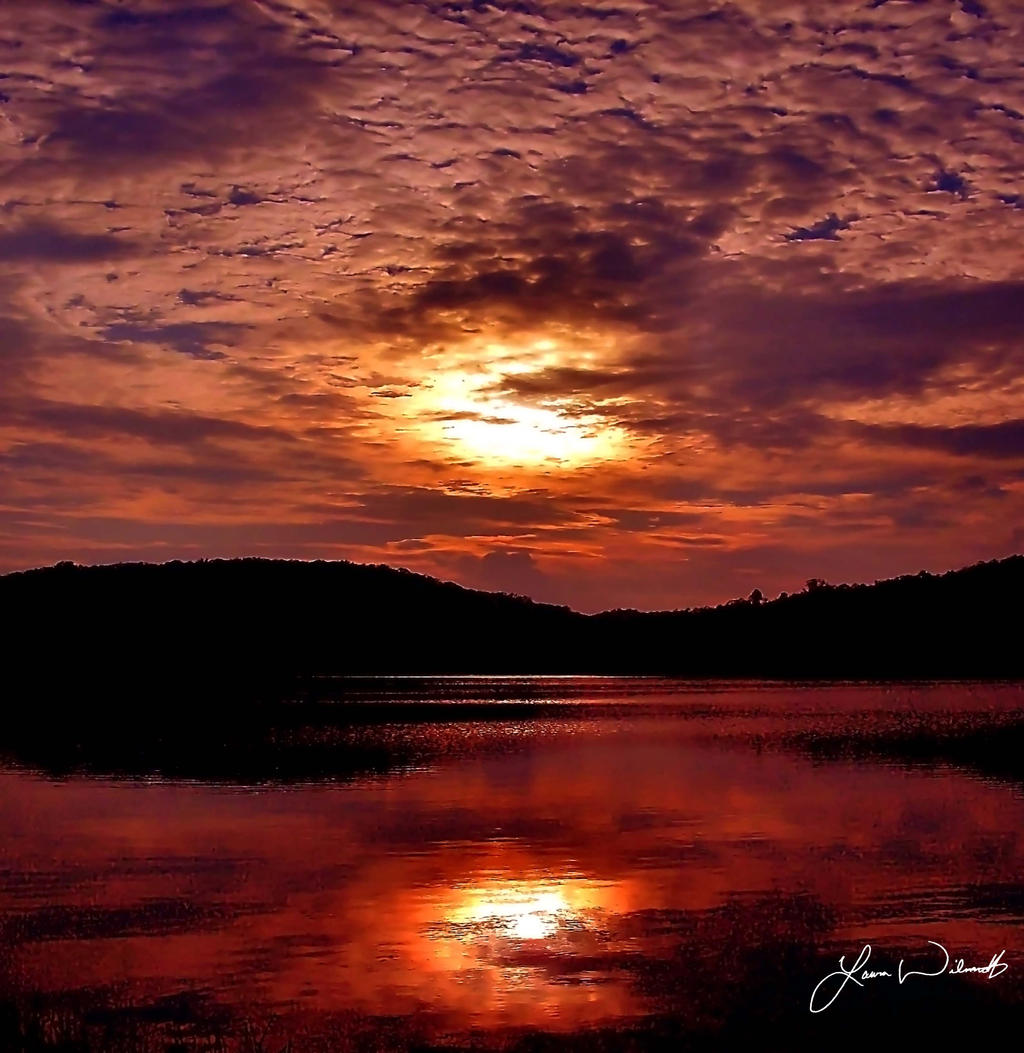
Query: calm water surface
point(633, 863)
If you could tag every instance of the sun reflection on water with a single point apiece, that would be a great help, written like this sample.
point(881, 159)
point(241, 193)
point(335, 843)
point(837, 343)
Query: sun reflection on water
point(515, 935)
point(520, 913)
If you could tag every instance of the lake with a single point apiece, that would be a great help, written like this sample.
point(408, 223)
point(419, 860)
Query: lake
point(525, 863)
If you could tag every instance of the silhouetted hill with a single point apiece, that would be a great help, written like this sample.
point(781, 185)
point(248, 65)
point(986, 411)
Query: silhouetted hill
point(256, 625)
point(962, 624)
point(256, 621)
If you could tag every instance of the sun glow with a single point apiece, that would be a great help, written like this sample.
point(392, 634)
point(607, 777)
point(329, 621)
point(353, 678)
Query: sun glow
point(520, 913)
point(465, 407)
point(487, 940)
point(501, 431)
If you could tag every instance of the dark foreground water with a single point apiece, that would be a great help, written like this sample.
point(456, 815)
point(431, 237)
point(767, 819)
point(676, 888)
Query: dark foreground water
point(605, 864)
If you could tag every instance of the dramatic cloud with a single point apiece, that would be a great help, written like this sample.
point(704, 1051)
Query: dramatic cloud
point(637, 304)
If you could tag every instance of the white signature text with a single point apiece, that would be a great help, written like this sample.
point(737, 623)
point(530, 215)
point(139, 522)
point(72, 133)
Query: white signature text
point(830, 987)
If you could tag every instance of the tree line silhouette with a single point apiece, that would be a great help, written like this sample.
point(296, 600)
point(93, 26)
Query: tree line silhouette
point(258, 625)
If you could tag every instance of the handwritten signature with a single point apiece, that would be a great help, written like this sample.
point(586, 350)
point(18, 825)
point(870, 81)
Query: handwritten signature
point(859, 974)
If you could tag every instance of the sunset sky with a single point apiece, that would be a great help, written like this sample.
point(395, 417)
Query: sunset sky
point(628, 303)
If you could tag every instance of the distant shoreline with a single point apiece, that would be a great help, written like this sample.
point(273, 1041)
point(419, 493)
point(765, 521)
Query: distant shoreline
point(255, 627)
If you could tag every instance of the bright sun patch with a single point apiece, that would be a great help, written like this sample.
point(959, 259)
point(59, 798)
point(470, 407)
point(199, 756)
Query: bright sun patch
point(462, 407)
point(522, 914)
